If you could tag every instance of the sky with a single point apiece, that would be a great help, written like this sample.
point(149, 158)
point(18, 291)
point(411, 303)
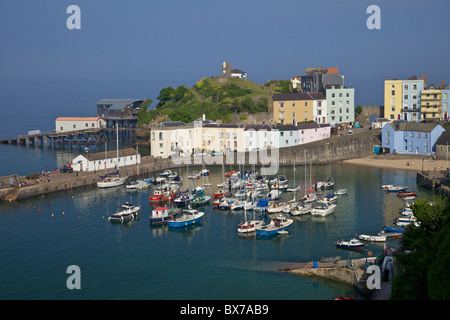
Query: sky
point(134, 48)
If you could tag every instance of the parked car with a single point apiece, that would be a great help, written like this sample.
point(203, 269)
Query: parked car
point(216, 153)
point(350, 132)
point(66, 169)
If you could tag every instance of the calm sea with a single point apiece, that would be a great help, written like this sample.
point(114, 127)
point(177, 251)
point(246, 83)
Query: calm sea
point(42, 236)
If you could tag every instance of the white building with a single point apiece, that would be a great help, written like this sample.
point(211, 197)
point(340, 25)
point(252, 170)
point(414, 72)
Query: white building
point(66, 124)
point(106, 160)
point(259, 137)
point(320, 110)
point(236, 73)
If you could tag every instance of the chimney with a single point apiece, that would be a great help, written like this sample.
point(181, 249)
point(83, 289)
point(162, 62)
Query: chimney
point(442, 84)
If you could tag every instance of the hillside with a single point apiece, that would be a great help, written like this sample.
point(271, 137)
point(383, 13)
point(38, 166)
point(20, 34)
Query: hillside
point(217, 98)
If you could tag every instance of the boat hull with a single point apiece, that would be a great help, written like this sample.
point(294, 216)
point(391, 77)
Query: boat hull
point(185, 222)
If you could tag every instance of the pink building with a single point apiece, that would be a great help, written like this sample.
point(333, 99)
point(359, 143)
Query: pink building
point(312, 131)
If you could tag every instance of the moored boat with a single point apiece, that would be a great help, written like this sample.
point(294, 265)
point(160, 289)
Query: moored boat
point(126, 212)
point(352, 244)
point(323, 209)
point(186, 218)
point(340, 192)
point(162, 215)
point(379, 238)
point(407, 194)
point(397, 188)
point(279, 223)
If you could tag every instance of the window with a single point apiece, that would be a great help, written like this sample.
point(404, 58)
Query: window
point(281, 104)
point(393, 93)
point(293, 104)
point(414, 86)
point(388, 141)
point(74, 126)
point(306, 103)
point(61, 128)
point(332, 95)
point(405, 87)
point(160, 136)
point(418, 134)
point(160, 145)
point(388, 134)
point(347, 95)
point(405, 96)
point(87, 125)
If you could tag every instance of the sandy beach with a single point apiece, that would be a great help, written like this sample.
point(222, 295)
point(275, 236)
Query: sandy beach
point(401, 162)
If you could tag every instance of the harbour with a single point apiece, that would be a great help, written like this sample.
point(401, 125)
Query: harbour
point(75, 221)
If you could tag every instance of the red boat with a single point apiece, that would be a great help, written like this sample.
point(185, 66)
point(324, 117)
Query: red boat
point(407, 194)
point(219, 194)
point(162, 196)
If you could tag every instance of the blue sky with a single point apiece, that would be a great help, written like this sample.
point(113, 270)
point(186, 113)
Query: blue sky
point(133, 49)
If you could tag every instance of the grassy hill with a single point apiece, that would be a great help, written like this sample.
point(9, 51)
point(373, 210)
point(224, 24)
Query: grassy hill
point(217, 98)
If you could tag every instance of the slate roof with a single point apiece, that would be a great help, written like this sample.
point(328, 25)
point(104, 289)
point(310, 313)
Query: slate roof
point(118, 103)
point(258, 127)
point(444, 139)
point(286, 127)
point(298, 96)
point(414, 126)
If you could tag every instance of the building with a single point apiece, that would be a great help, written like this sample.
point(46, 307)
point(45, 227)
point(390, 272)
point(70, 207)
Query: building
point(443, 145)
point(445, 102)
point(286, 135)
point(312, 131)
point(223, 138)
point(258, 137)
point(100, 161)
point(379, 123)
point(312, 80)
point(393, 99)
point(340, 103)
point(291, 108)
point(236, 73)
point(67, 124)
point(411, 93)
point(169, 140)
point(431, 103)
point(121, 111)
point(411, 138)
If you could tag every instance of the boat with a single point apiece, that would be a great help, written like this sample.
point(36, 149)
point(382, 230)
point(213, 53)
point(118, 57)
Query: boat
point(330, 259)
point(386, 186)
point(393, 229)
point(407, 194)
point(404, 221)
point(274, 207)
point(279, 223)
point(330, 198)
point(161, 195)
point(379, 238)
point(172, 175)
point(200, 200)
point(114, 179)
point(237, 205)
point(287, 208)
point(194, 175)
point(137, 184)
point(162, 215)
point(352, 244)
point(249, 225)
point(274, 194)
point(397, 188)
point(323, 209)
point(293, 188)
point(185, 218)
point(205, 172)
point(340, 192)
point(301, 208)
point(183, 199)
point(126, 212)
point(220, 193)
point(165, 173)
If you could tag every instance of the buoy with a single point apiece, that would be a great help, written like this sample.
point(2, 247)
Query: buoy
point(79, 217)
point(72, 197)
point(39, 210)
point(63, 212)
point(52, 214)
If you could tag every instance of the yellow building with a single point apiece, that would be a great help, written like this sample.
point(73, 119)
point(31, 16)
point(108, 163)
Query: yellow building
point(393, 99)
point(290, 108)
point(431, 103)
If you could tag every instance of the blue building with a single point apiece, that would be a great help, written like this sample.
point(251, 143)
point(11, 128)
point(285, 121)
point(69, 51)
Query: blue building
point(411, 89)
point(410, 138)
point(287, 135)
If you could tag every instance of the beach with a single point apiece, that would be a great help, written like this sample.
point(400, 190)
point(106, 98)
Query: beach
point(401, 162)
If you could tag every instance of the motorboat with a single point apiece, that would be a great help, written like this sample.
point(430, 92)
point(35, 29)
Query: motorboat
point(340, 192)
point(323, 209)
point(301, 208)
point(138, 184)
point(194, 175)
point(126, 212)
point(330, 198)
point(352, 244)
point(183, 199)
point(205, 172)
point(279, 223)
point(161, 195)
point(275, 207)
point(165, 173)
point(200, 200)
point(249, 226)
point(186, 218)
point(397, 188)
point(379, 238)
point(162, 215)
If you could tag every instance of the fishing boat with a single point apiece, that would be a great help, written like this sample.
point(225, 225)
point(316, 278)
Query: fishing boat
point(379, 238)
point(200, 200)
point(340, 192)
point(162, 215)
point(279, 223)
point(249, 225)
point(186, 218)
point(301, 208)
point(323, 209)
point(352, 244)
point(397, 188)
point(183, 199)
point(126, 212)
point(161, 195)
point(407, 194)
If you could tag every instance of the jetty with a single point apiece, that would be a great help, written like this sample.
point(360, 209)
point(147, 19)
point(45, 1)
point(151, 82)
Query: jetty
point(350, 271)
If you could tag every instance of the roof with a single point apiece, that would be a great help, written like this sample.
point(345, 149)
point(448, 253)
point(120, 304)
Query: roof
point(414, 126)
point(78, 118)
point(171, 124)
point(223, 125)
point(118, 103)
point(298, 96)
point(380, 120)
point(286, 127)
point(444, 138)
point(237, 71)
point(308, 125)
point(110, 154)
point(258, 127)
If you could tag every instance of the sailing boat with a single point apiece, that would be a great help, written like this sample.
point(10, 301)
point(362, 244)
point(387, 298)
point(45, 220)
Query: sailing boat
point(139, 183)
point(114, 180)
point(309, 196)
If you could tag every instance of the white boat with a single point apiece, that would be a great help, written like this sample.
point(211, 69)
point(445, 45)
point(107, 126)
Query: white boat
point(352, 244)
point(275, 207)
point(386, 186)
point(309, 197)
point(379, 238)
point(279, 223)
point(165, 173)
point(287, 208)
point(330, 198)
point(274, 194)
point(126, 212)
point(194, 175)
point(323, 209)
point(340, 192)
point(249, 226)
point(138, 184)
point(185, 218)
point(301, 208)
point(404, 221)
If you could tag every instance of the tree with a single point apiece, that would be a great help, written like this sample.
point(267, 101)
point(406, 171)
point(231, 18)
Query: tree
point(181, 115)
point(358, 110)
point(166, 94)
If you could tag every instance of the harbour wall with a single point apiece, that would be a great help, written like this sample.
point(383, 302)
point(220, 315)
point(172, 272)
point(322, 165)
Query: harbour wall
point(434, 181)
